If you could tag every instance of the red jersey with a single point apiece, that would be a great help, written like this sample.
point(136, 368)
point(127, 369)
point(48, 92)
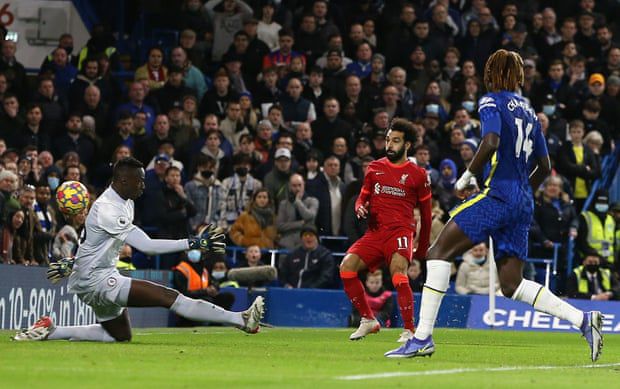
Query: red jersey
point(393, 191)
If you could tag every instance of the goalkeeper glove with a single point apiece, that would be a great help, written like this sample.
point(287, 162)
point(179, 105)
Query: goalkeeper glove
point(210, 238)
point(61, 269)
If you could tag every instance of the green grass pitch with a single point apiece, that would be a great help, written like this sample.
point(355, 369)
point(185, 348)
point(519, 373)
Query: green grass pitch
point(308, 358)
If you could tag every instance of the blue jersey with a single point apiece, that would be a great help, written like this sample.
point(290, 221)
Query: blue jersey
point(521, 140)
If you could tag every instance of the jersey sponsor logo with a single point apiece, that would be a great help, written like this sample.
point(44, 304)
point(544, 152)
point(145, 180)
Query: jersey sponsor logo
point(377, 188)
point(111, 281)
point(403, 178)
point(393, 191)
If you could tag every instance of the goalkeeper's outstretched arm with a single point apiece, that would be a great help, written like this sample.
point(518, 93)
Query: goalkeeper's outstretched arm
point(141, 241)
point(211, 238)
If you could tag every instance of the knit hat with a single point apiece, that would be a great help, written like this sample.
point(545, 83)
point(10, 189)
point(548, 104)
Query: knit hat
point(471, 143)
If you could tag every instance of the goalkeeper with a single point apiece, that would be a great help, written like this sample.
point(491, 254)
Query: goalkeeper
point(95, 280)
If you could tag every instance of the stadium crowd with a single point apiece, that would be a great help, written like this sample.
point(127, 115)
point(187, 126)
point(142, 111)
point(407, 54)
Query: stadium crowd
point(264, 116)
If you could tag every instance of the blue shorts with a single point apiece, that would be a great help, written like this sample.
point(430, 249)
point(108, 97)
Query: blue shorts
point(481, 216)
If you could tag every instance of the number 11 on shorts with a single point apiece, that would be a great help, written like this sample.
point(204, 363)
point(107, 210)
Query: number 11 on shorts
point(402, 242)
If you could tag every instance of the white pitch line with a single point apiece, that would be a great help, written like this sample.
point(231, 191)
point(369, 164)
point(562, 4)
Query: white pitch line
point(467, 370)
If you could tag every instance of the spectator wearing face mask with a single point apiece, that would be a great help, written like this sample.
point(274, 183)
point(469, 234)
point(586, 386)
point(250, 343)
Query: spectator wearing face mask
point(591, 281)
point(596, 233)
point(473, 274)
point(191, 278)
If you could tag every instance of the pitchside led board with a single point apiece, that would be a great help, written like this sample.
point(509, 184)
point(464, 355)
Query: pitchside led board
point(513, 315)
point(25, 295)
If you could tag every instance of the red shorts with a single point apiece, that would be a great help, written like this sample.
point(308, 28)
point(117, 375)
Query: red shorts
point(377, 247)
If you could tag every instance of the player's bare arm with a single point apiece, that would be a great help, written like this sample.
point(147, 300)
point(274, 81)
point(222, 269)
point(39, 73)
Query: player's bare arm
point(540, 172)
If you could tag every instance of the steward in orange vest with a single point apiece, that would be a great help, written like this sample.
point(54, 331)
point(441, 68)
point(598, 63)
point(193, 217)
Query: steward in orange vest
point(192, 279)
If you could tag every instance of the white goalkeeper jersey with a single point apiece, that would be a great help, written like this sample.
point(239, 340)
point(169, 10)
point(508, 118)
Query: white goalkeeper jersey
point(108, 223)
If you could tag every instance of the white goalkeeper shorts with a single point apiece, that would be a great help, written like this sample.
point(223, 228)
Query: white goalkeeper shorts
point(107, 295)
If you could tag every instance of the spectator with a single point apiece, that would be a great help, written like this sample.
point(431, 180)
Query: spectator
point(232, 63)
point(191, 278)
point(195, 52)
point(295, 213)
point(578, 164)
point(232, 127)
point(227, 17)
point(237, 191)
point(87, 77)
point(283, 55)
point(307, 38)
point(92, 105)
point(14, 239)
point(593, 281)
point(8, 185)
point(31, 227)
point(334, 71)
point(295, 108)
point(400, 34)
point(212, 149)
point(596, 233)
point(267, 91)
point(47, 220)
point(309, 266)
point(276, 181)
point(123, 136)
point(136, 103)
point(328, 188)
point(380, 300)
point(445, 186)
point(193, 77)
point(205, 192)
point(473, 274)
point(354, 227)
point(330, 126)
point(414, 272)
point(252, 257)
point(173, 90)
point(66, 42)
point(177, 207)
point(11, 120)
point(247, 148)
point(594, 140)
point(13, 70)
point(256, 225)
point(153, 70)
point(33, 133)
point(312, 167)
point(361, 66)
point(216, 100)
point(555, 220)
point(74, 140)
point(267, 28)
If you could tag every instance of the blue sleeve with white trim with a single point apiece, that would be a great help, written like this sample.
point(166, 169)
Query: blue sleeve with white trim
point(490, 118)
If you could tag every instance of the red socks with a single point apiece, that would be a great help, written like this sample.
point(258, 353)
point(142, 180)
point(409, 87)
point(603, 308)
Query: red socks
point(355, 290)
point(405, 299)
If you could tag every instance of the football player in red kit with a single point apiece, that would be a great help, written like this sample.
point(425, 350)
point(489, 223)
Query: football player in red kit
point(393, 187)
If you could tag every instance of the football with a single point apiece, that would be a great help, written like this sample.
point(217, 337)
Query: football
point(72, 197)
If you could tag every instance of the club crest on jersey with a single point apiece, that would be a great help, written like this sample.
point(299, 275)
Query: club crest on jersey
point(403, 178)
point(122, 221)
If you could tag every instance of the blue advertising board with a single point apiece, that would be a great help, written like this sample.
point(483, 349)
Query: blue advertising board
point(25, 295)
point(514, 315)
